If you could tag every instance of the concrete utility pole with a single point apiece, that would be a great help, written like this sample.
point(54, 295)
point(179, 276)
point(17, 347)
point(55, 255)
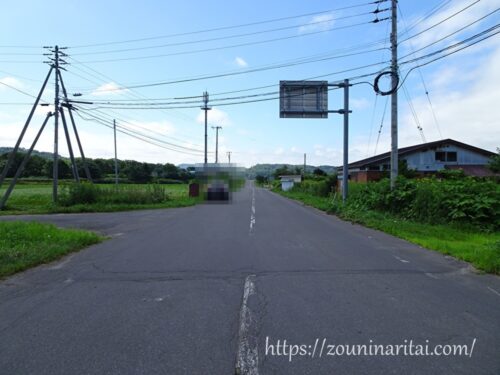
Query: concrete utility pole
point(229, 157)
point(304, 164)
point(394, 95)
point(345, 170)
point(116, 154)
point(55, 169)
point(216, 142)
point(205, 108)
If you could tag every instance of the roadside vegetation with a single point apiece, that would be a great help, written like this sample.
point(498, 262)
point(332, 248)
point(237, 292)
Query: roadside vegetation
point(25, 244)
point(449, 213)
point(36, 198)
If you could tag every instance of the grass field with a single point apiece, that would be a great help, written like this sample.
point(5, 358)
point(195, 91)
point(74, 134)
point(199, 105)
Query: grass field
point(482, 249)
point(36, 198)
point(24, 245)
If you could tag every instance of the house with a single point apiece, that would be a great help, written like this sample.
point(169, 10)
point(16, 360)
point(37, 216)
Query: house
point(425, 158)
point(287, 182)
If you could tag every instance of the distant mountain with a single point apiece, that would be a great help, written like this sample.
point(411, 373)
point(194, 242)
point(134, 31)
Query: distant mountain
point(268, 170)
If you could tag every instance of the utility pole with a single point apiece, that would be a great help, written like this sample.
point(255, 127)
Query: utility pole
point(394, 95)
point(345, 170)
point(304, 164)
point(229, 157)
point(55, 63)
point(55, 169)
point(205, 108)
point(216, 142)
point(116, 157)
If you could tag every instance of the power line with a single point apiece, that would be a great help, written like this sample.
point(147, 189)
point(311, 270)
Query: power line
point(231, 45)
point(450, 53)
point(138, 135)
point(221, 75)
point(221, 37)
point(227, 27)
point(440, 22)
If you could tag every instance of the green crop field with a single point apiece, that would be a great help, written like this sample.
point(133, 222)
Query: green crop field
point(36, 198)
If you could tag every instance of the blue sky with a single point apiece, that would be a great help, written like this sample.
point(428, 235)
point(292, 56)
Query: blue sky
point(462, 87)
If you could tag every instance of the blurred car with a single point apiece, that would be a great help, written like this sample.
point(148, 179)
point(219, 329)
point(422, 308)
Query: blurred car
point(218, 191)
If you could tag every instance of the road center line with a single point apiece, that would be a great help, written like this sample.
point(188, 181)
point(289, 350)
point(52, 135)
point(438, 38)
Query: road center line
point(252, 215)
point(494, 291)
point(247, 360)
point(401, 260)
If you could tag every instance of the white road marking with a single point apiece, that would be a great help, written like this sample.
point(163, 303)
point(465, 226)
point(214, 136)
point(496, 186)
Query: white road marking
point(401, 260)
point(252, 215)
point(247, 360)
point(494, 291)
point(431, 275)
point(117, 235)
point(61, 264)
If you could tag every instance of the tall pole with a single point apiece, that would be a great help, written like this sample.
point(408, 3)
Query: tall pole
point(55, 170)
point(345, 170)
point(16, 147)
point(74, 168)
point(21, 167)
point(229, 157)
point(304, 164)
point(394, 95)
point(116, 154)
point(216, 142)
point(205, 108)
point(68, 105)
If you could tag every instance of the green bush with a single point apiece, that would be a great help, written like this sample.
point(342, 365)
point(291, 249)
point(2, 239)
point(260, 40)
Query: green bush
point(85, 193)
point(466, 201)
point(320, 186)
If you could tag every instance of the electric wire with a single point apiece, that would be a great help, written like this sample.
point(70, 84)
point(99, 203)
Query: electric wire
point(253, 33)
point(203, 31)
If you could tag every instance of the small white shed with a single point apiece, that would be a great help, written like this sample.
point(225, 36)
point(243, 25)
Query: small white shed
point(287, 182)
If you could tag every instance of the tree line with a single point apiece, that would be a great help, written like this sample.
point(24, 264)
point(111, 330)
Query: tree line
point(102, 170)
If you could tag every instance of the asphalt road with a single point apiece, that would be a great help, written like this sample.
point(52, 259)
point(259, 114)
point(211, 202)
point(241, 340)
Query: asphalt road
point(208, 289)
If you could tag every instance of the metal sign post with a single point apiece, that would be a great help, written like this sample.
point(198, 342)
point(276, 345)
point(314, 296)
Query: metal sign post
point(309, 99)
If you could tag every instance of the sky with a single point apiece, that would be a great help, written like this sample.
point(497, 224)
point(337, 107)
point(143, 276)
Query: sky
point(124, 55)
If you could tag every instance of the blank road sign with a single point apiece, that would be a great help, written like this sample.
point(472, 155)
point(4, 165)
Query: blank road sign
point(304, 99)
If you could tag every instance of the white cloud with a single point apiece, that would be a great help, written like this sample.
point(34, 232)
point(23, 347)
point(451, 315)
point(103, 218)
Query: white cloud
point(361, 103)
point(240, 62)
point(157, 127)
point(466, 17)
point(110, 88)
point(215, 117)
point(10, 81)
point(470, 114)
point(318, 23)
point(279, 151)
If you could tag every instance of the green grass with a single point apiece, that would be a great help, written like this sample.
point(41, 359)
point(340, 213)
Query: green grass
point(27, 244)
point(482, 249)
point(36, 198)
